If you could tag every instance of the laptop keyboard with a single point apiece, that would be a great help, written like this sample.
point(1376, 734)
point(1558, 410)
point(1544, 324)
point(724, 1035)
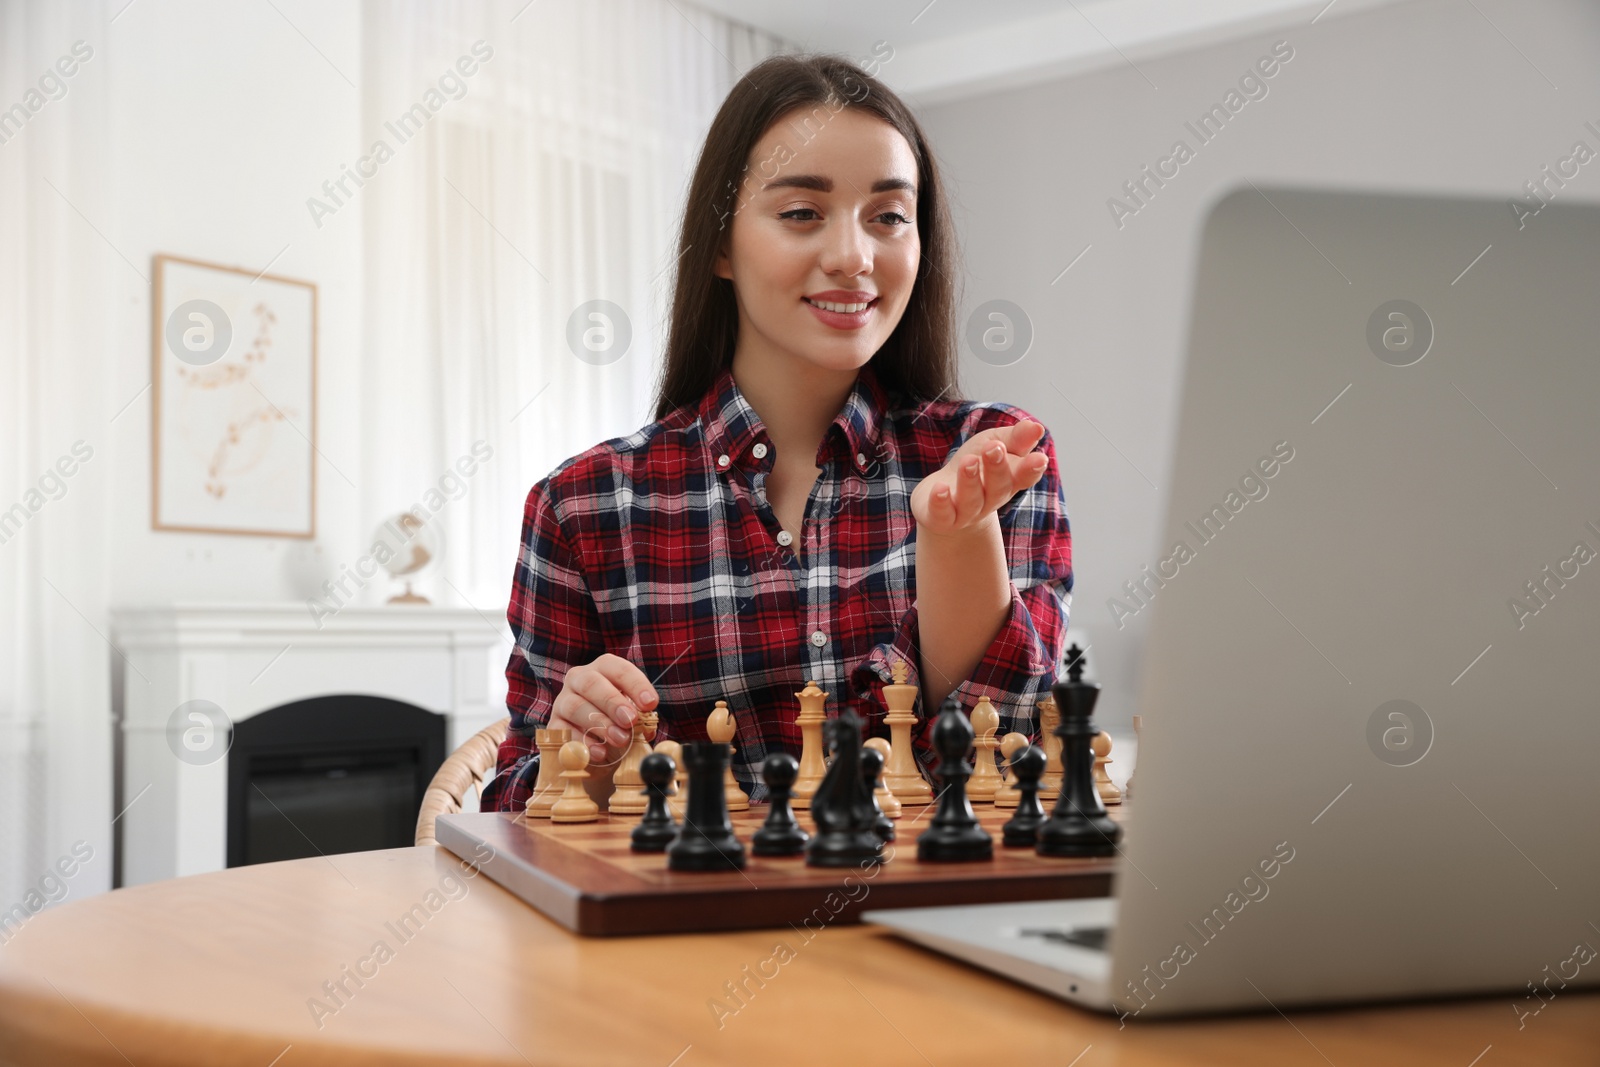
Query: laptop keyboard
point(1089, 937)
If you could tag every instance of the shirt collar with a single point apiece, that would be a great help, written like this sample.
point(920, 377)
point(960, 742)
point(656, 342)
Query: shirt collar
point(733, 429)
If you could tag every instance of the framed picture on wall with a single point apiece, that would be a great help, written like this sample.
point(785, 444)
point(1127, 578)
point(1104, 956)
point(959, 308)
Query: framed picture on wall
point(234, 416)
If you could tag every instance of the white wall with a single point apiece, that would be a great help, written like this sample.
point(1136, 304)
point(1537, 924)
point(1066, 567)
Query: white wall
point(225, 119)
point(1423, 96)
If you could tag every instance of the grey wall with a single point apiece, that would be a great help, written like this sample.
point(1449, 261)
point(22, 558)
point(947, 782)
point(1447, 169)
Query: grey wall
point(1448, 95)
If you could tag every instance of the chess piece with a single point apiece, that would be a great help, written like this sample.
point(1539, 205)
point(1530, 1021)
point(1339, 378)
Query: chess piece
point(680, 788)
point(842, 807)
point(954, 835)
point(1109, 793)
point(812, 766)
point(706, 841)
point(871, 769)
point(1006, 796)
point(720, 728)
point(1022, 829)
point(781, 834)
point(1049, 719)
point(1079, 825)
point(657, 829)
point(985, 775)
point(629, 798)
point(888, 803)
point(575, 804)
point(548, 785)
point(1127, 787)
point(903, 778)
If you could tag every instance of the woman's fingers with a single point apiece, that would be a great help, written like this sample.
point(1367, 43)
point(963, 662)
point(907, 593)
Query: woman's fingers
point(1024, 435)
point(1007, 475)
point(941, 507)
point(596, 711)
point(1009, 463)
point(595, 703)
point(1019, 438)
point(629, 680)
point(969, 493)
point(585, 721)
point(616, 710)
point(998, 483)
point(988, 479)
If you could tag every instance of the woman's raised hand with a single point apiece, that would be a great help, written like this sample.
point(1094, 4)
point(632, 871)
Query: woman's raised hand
point(600, 702)
point(986, 471)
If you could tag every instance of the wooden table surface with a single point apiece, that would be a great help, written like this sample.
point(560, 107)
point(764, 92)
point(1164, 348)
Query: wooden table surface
point(224, 968)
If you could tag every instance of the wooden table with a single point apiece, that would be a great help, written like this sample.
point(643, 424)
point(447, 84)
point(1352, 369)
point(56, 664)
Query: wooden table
point(223, 968)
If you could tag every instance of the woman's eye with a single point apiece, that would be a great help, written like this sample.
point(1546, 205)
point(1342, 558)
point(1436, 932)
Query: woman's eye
point(795, 213)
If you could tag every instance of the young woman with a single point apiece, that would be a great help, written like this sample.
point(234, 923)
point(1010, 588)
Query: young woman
point(814, 499)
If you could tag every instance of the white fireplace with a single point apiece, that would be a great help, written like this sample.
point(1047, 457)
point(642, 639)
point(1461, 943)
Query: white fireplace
point(247, 658)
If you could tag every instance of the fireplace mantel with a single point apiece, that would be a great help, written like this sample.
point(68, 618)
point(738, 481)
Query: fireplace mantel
point(248, 657)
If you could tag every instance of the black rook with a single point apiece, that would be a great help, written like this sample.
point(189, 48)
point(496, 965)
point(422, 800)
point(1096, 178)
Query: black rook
point(706, 842)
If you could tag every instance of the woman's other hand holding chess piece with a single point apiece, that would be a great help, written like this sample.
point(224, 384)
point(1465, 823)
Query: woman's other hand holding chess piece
point(599, 702)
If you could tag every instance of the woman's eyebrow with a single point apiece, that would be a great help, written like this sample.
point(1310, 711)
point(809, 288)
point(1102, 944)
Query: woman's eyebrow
point(823, 184)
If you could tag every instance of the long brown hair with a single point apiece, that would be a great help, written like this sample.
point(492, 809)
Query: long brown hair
point(919, 358)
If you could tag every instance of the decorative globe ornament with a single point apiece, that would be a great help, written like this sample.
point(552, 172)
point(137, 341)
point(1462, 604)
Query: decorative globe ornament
point(413, 546)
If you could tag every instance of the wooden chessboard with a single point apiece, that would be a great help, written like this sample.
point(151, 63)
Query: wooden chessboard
point(585, 876)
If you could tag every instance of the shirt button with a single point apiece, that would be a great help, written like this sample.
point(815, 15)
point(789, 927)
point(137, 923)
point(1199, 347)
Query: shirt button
point(785, 538)
point(723, 460)
point(861, 459)
point(759, 451)
point(819, 639)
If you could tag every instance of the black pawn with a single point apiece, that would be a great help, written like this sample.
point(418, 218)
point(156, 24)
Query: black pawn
point(871, 771)
point(954, 836)
point(781, 834)
point(1022, 829)
point(1079, 825)
point(706, 842)
point(657, 828)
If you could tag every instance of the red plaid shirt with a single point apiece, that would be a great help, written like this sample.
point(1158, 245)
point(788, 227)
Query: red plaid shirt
point(661, 548)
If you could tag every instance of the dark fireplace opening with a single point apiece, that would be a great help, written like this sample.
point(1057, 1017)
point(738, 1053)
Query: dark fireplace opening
point(329, 775)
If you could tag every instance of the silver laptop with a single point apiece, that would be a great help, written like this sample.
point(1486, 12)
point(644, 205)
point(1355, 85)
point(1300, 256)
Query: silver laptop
point(1370, 756)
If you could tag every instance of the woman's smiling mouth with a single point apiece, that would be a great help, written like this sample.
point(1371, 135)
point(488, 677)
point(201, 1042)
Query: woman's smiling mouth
point(841, 314)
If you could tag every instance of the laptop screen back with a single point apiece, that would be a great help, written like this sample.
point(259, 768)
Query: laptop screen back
point(1368, 761)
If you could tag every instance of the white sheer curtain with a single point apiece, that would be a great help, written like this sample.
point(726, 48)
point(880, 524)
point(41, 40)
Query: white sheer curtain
point(550, 176)
point(59, 278)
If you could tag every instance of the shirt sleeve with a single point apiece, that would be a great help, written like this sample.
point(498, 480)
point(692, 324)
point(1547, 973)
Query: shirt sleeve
point(1017, 669)
point(555, 626)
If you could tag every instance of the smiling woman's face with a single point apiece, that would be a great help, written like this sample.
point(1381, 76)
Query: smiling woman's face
point(831, 220)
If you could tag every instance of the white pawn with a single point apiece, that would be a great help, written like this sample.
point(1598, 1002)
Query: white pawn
point(1109, 793)
point(1007, 796)
point(720, 728)
point(575, 804)
point(888, 803)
